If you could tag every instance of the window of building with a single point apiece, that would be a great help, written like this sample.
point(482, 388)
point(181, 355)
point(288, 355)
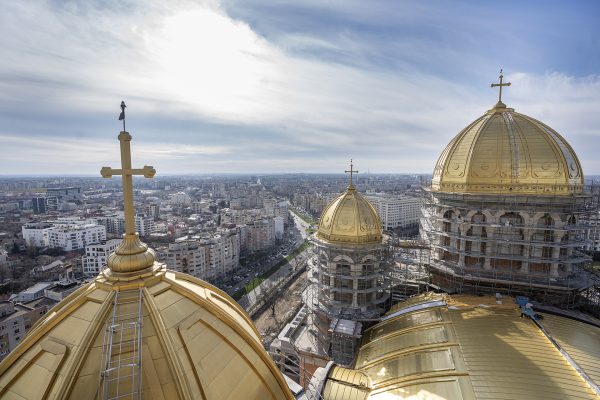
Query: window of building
point(343, 269)
point(368, 269)
point(365, 284)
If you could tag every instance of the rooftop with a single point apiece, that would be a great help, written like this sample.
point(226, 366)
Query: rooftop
point(471, 347)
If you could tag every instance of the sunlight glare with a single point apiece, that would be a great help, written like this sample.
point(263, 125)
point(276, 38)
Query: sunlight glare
point(212, 62)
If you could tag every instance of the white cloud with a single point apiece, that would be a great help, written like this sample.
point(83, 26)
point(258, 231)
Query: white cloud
point(193, 61)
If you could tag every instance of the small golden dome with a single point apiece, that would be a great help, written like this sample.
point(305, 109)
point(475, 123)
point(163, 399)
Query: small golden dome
point(504, 152)
point(350, 218)
point(192, 341)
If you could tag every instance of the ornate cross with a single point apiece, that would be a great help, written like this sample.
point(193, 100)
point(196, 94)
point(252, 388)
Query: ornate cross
point(352, 171)
point(500, 86)
point(127, 172)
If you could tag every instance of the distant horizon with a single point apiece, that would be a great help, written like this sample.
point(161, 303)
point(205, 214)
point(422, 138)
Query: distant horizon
point(216, 174)
point(210, 174)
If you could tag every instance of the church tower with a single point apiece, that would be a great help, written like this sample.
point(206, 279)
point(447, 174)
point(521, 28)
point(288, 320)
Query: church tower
point(351, 271)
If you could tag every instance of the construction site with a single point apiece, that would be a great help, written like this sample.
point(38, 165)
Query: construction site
point(535, 245)
point(468, 244)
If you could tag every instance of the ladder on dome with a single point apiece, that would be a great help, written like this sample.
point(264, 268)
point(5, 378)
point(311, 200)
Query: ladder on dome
point(121, 368)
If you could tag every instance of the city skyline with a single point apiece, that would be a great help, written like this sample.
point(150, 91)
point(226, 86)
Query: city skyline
point(276, 87)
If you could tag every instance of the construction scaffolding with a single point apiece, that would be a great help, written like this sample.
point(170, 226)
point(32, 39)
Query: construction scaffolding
point(121, 365)
point(353, 281)
point(348, 285)
point(533, 245)
point(410, 273)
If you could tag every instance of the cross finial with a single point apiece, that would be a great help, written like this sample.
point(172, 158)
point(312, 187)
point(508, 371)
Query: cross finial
point(500, 86)
point(351, 171)
point(132, 255)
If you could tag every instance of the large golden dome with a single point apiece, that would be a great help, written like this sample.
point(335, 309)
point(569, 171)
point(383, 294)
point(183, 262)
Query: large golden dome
point(350, 218)
point(504, 152)
point(194, 342)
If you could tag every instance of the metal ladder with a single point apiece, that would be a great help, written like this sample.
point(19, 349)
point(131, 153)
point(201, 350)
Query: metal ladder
point(121, 368)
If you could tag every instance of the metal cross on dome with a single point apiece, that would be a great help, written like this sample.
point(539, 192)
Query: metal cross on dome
point(500, 86)
point(352, 171)
point(127, 173)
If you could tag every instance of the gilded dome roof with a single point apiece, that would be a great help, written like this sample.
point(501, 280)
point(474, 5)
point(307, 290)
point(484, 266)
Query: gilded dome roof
point(506, 152)
point(465, 347)
point(195, 343)
point(350, 218)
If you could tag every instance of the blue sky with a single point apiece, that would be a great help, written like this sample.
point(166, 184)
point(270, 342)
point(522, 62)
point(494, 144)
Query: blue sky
point(285, 86)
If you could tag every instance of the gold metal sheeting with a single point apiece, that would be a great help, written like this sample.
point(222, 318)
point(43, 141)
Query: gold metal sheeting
point(415, 300)
point(504, 152)
point(399, 323)
point(491, 353)
point(350, 218)
point(485, 302)
point(508, 357)
point(345, 383)
point(410, 366)
point(448, 389)
point(350, 376)
point(334, 390)
point(580, 340)
point(383, 348)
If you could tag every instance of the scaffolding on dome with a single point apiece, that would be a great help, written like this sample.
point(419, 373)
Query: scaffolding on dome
point(534, 245)
point(347, 287)
point(121, 365)
point(356, 289)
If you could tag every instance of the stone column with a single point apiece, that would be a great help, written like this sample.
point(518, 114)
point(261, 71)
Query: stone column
point(556, 253)
point(526, 252)
point(355, 293)
point(488, 250)
point(554, 265)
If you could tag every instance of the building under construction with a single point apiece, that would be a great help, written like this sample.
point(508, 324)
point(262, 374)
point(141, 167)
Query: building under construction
point(505, 228)
point(516, 244)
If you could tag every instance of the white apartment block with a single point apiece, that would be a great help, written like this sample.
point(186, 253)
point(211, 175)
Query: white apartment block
point(115, 224)
point(96, 256)
point(65, 234)
point(37, 234)
point(396, 211)
point(208, 258)
point(75, 237)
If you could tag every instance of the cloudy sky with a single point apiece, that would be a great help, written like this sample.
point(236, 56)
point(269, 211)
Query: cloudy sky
point(285, 86)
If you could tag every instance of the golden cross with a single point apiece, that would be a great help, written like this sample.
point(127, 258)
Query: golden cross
point(500, 86)
point(352, 171)
point(127, 172)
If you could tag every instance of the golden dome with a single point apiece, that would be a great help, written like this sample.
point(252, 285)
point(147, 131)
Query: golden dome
point(506, 152)
point(194, 342)
point(350, 218)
